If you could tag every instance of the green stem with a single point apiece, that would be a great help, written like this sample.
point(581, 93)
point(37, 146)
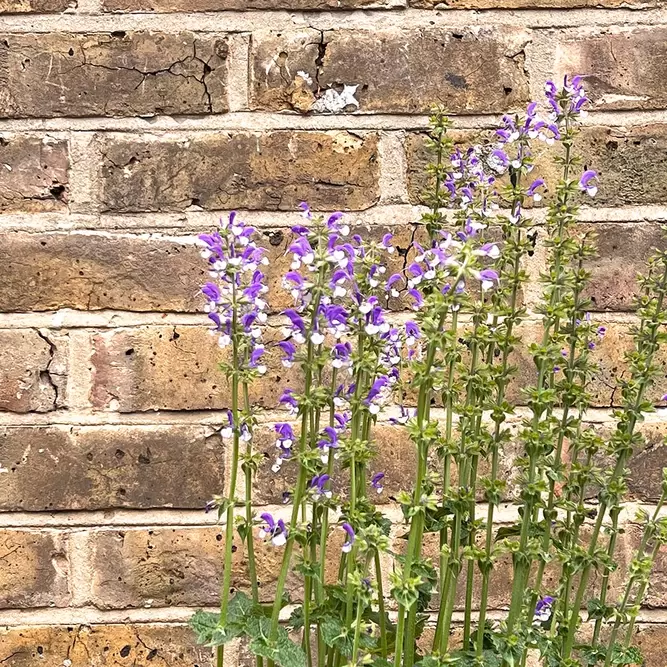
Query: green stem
point(381, 609)
point(643, 383)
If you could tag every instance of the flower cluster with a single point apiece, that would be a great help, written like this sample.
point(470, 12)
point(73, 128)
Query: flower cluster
point(439, 374)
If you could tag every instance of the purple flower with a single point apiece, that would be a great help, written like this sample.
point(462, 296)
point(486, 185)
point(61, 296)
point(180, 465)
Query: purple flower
point(290, 350)
point(664, 398)
point(586, 182)
point(543, 609)
point(376, 481)
point(488, 277)
point(412, 333)
point(289, 400)
point(347, 547)
point(305, 210)
point(212, 292)
point(419, 299)
point(317, 486)
point(405, 415)
point(274, 530)
point(532, 190)
point(341, 354)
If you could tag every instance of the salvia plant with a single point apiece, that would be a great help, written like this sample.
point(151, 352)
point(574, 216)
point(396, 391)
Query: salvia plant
point(416, 589)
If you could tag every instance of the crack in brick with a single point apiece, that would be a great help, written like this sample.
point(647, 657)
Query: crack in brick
point(45, 374)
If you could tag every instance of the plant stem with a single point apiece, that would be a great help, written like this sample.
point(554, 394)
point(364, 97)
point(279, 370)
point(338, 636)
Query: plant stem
point(381, 610)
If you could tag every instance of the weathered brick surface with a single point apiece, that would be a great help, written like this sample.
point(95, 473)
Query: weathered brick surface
point(113, 74)
point(173, 368)
point(99, 467)
point(533, 4)
point(631, 162)
point(395, 456)
point(171, 567)
point(93, 271)
point(138, 645)
point(393, 69)
point(622, 252)
point(33, 6)
point(33, 173)
point(217, 5)
point(608, 355)
point(32, 370)
point(34, 569)
point(607, 57)
point(274, 171)
point(96, 271)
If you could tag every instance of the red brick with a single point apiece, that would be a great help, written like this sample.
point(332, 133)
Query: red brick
point(238, 5)
point(622, 253)
point(33, 6)
point(139, 645)
point(608, 60)
point(31, 370)
point(532, 4)
point(393, 69)
point(113, 74)
point(100, 467)
point(172, 567)
point(34, 569)
point(173, 368)
point(33, 174)
point(274, 171)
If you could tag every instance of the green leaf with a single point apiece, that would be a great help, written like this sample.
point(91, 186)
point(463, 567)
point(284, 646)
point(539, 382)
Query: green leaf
point(204, 623)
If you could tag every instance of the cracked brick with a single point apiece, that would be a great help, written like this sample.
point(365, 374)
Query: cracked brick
point(479, 71)
point(54, 468)
point(112, 74)
point(33, 569)
point(270, 171)
point(32, 370)
point(34, 172)
point(98, 645)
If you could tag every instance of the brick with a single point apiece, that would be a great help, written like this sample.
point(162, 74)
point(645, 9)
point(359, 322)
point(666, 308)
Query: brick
point(32, 370)
point(113, 74)
point(173, 368)
point(274, 171)
point(33, 6)
point(622, 253)
point(218, 5)
point(606, 58)
point(139, 645)
point(650, 639)
point(631, 162)
point(609, 355)
point(33, 174)
point(419, 156)
point(392, 68)
point(34, 569)
point(173, 566)
point(532, 4)
point(92, 271)
point(100, 467)
point(395, 456)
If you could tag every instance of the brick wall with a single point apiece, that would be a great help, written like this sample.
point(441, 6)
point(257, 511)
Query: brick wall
point(126, 128)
